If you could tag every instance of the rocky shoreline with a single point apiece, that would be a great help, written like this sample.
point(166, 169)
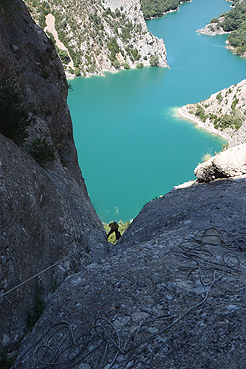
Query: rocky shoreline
point(223, 113)
point(184, 114)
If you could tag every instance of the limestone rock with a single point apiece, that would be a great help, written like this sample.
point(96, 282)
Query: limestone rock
point(171, 295)
point(223, 113)
point(46, 214)
point(213, 29)
point(227, 164)
point(102, 36)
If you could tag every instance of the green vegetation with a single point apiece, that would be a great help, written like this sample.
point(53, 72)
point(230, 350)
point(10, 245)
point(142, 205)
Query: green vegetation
point(87, 40)
point(234, 103)
point(7, 362)
point(233, 120)
point(229, 121)
point(126, 66)
point(122, 228)
point(154, 60)
point(42, 152)
point(114, 49)
point(64, 56)
point(200, 112)
point(14, 116)
point(235, 22)
point(139, 65)
point(219, 97)
point(156, 8)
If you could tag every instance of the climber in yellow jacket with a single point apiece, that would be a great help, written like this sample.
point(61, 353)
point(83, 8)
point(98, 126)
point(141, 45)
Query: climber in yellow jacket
point(114, 228)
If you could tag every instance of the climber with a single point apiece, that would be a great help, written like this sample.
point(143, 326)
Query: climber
point(114, 228)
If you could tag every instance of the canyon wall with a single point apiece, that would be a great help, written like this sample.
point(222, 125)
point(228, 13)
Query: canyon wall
point(46, 214)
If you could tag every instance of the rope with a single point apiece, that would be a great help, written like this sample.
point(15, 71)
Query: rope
point(36, 275)
point(102, 344)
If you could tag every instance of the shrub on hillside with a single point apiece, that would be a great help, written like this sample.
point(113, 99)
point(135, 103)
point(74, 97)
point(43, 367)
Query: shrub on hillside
point(14, 116)
point(154, 60)
point(42, 152)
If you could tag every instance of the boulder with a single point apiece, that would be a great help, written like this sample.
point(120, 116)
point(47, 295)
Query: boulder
point(227, 164)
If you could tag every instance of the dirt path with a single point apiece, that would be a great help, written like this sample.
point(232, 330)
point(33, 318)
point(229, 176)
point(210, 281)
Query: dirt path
point(50, 21)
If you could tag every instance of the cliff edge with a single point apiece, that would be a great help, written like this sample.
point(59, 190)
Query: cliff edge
point(46, 214)
point(170, 295)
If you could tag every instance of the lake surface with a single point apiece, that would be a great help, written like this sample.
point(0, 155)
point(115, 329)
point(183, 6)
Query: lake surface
point(131, 147)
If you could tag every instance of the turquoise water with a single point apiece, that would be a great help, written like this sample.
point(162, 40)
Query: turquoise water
point(131, 146)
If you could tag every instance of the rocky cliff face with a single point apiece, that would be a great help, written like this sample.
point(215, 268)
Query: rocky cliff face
point(100, 35)
point(46, 213)
point(170, 295)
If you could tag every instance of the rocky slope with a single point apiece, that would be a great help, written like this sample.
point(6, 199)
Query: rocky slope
point(224, 113)
point(170, 295)
point(46, 213)
point(100, 35)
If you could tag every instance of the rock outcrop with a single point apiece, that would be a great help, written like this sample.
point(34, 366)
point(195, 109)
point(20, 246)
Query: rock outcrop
point(172, 295)
point(227, 164)
point(213, 28)
point(101, 36)
point(46, 214)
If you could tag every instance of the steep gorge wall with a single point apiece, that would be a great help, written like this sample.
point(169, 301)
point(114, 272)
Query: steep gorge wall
point(171, 294)
point(46, 214)
point(102, 36)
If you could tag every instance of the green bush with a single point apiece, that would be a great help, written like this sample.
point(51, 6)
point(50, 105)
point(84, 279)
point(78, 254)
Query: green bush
point(234, 103)
point(113, 47)
point(116, 64)
point(154, 60)
point(42, 152)
point(126, 66)
point(139, 65)
point(77, 72)
point(200, 112)
point(227, 121)
point(219, 97)
point(64, 56)
point(135, 54)
point(14, 116)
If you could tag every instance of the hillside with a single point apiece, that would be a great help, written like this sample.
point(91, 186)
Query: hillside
point(99, 36)
point(157, 8)
point(232, 22)
point(224, 113)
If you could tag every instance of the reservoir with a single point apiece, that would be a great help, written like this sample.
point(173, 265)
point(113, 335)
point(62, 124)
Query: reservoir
point(131, 146)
